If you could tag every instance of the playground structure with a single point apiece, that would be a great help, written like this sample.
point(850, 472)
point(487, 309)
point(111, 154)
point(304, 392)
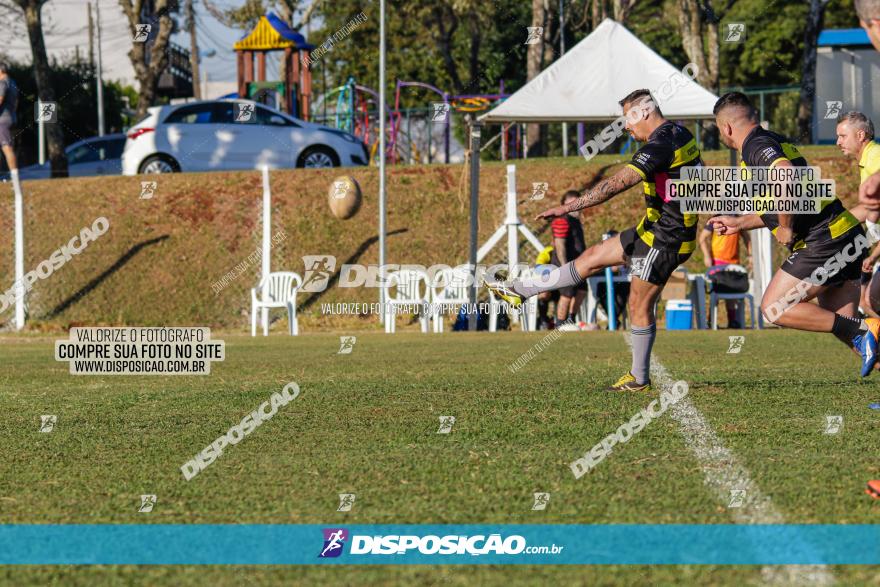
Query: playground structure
point(295, 88)
point(438, 110)
point(410, 132)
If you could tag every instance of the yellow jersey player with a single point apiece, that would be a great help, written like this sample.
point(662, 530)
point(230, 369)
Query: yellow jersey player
point(855, 138)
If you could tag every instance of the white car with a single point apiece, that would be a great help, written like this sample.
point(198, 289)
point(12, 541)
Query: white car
point(233, 134)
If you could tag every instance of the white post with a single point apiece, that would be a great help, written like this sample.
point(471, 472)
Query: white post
point(267, 239)
point(511, 226)
point(19, 254)
point(381, 152)
point(512, 220)
point(762, 262)
point(41, 135)
point(99, 73)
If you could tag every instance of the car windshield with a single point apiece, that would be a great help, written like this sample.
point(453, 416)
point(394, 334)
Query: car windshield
point(266, 116)
point(85, 153)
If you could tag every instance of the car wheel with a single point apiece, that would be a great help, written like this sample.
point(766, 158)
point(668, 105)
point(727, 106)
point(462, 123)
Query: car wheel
point(316, 157)
point(159, 164)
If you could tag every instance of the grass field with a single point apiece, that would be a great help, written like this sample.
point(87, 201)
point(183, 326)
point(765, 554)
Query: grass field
point(366, 423)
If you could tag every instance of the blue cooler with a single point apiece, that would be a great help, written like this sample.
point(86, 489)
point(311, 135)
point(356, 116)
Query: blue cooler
point(679, 315)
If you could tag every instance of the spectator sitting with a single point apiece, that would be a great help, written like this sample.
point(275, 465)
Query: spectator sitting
point(720, 250)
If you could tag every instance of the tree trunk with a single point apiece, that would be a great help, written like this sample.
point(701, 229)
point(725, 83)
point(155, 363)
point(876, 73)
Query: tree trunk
point(148, 74)
point(695, 24)
point(621, 9)
point(534, 65)
point(54, 134)
point(690, 25)
point(713, 77)
point(808, 73)
point(474, 67)
point(443, 22)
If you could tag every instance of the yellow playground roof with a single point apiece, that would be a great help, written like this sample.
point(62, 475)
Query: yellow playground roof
point(271, 33)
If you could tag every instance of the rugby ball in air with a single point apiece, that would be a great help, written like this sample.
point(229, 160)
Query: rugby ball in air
point(344, 197)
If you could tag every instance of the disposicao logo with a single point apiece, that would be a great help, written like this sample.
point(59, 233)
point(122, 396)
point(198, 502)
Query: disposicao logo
point(334, 541)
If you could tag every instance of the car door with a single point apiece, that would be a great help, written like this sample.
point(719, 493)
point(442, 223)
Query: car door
point(104, 159)
point(189, 135)
point(110, 153)
point(274, 146)
point(227, 149)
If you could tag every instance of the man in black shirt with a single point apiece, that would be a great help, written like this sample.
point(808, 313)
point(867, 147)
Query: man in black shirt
point(663, 239)
point(818, 242)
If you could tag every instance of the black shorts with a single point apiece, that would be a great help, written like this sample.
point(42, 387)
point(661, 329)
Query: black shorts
point(647, 263)
point(865, 279)
point(832, 262)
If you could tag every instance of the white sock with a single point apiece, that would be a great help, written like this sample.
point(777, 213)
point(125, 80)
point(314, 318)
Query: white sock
point(873, 231)
point(13, 174)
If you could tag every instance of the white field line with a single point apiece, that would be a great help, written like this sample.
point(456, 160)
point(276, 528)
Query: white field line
point(723, 473)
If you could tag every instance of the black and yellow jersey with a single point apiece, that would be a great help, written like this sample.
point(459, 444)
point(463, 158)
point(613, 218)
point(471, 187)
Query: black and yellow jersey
point(669, 148)
point(869, 162)
point(764, 148)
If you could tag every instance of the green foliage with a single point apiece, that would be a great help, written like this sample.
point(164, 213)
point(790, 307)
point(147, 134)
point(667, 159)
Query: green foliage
point(485, 45)
point(75, 91)
point(415, 50)
point(248, 14)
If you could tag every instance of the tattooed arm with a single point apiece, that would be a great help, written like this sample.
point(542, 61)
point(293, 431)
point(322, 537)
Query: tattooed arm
point(601, 192)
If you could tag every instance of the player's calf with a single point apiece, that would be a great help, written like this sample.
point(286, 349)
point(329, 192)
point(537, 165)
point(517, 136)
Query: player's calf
point(775, 307)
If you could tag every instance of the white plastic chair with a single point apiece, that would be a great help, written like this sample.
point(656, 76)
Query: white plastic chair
point(280, 293)
point(411, 289)
point(450, 288)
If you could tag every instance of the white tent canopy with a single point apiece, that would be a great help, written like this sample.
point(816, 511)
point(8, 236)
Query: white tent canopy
point(586, 83)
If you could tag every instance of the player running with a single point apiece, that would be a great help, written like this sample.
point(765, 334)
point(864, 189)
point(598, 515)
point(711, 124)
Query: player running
point(813, 240)
point(663, 239)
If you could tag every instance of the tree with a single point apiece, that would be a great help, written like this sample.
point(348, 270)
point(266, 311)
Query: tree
point(536, 58)
point(808, 70)
point(67, 78)
point(698, 24)
point(621, 9)
point(54, 136)
point(148, 65)
point(190, 16)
